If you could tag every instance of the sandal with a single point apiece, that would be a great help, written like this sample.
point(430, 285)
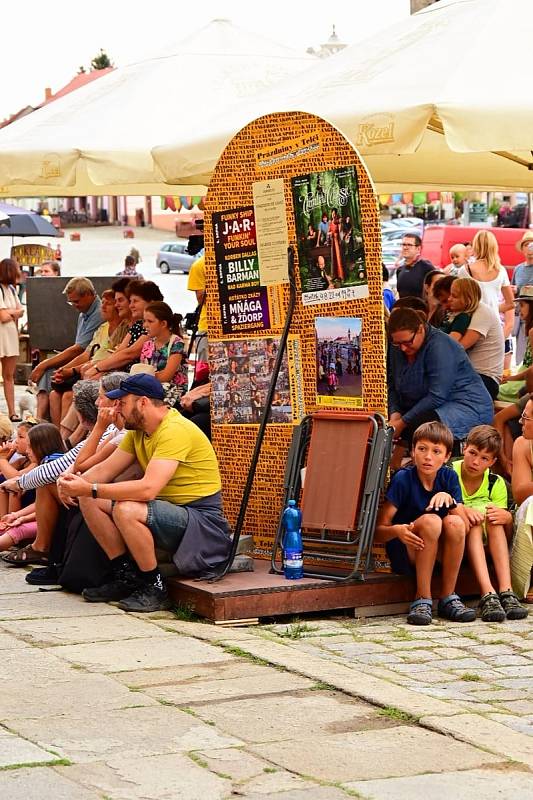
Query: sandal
point(420, 612)
point(491, 608)
point(453, 608)
point(26, 555)
point(15, 418)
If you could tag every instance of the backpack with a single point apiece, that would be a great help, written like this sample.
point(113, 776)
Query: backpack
point(511, 502)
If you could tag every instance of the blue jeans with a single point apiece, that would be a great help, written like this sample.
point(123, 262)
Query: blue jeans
point(167, 522)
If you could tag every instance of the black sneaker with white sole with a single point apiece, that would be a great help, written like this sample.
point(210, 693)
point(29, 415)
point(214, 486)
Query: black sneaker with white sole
point(147, 598)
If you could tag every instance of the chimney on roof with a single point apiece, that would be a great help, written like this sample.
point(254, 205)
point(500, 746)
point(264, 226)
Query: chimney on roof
point(47, 94)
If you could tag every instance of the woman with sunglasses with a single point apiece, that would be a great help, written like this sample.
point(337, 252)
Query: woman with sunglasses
point(430, 378)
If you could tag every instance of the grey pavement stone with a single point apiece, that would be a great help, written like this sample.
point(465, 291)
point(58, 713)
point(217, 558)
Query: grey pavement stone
point(42, 782)
point(250, 681)
point(418, 656)
point(520, 724)
point(158, 651)
point(238, 764)
point(482, 732)
point(205, 630)
point(493, 650)
point(353, 648)
point(451, 653)
point(12, 581)
point(515, 683)
point(274, 782)
point(460, 663)
point(81, 693)
point(259, 719)
point(16, 750)
point(372, 754)
point(412, 669)
point(410, 644)
point(190, 673)
point(495, 695)
point(466, 785)
point(155, 777)
point(75, 630)
point(516, 707)
point(313, 791)
point(129, 733)
point(43, 667)
point(8, 642)
point(43, 605)
point(516, 671)
point(376, 658)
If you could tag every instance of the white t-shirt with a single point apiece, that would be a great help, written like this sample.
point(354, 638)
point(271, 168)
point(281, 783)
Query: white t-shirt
point(491, 291)
point(488, 352)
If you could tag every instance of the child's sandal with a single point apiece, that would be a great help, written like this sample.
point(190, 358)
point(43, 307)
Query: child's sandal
point(420, 612)
point(453, 608)
point(511, 606)
point(491, 608)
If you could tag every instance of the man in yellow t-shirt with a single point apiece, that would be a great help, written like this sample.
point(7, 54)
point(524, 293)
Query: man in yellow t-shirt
point(196, 283)
point(176, 506)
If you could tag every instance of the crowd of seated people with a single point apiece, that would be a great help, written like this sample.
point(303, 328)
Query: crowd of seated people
point(123, 465)
point(451, 391)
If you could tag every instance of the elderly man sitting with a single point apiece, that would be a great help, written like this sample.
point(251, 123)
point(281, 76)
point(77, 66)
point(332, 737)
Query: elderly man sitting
point(176, 506)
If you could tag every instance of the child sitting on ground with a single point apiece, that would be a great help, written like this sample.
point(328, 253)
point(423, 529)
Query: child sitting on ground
point(421, 519)
point(488, 523)
point(44, 444)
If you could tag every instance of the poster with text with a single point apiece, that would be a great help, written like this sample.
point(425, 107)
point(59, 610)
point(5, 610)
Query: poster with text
point(240, 378)
point(330, 238)
point(338, 362)
point(244, 303)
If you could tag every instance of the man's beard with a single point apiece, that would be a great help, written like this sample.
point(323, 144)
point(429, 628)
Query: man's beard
point(134, 422)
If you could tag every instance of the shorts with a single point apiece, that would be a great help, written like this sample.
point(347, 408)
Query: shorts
point(398, 557)
point(168, 523)
point(24, 531)
point(508, 346)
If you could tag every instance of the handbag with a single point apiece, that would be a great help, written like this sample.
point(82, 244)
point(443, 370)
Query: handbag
point(138, 369)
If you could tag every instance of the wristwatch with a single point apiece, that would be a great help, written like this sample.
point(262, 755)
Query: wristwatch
point(94, 490)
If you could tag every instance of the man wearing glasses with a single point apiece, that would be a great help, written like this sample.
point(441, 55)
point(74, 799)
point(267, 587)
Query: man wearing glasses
point(412, 269)
point(80, 294)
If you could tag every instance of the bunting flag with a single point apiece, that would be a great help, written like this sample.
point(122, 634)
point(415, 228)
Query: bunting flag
point(433, 197)
point(407, 197)
point(385, 199)
point(419, 198)
point(397, 198)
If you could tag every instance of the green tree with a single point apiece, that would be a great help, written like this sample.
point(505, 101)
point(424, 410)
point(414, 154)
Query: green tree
point(101, 61)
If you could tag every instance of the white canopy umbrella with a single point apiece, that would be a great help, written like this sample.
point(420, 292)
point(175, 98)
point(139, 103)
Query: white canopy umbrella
point(439, 100)
point(98, 139)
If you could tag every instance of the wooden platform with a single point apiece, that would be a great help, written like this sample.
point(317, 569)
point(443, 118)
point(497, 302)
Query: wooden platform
point(252, 595)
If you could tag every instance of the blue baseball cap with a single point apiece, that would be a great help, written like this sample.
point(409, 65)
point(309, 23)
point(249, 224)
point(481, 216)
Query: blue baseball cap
point(142, 385)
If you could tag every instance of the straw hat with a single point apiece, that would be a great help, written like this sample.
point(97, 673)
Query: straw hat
point(527, 237)
point(526, 293)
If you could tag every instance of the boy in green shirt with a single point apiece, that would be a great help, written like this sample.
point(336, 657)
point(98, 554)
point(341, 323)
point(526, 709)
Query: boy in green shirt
point(488, 523)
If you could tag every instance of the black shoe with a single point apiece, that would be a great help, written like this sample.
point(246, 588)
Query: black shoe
point(147, 598)
point(453, 608)
point(491, 608)
point(124, 582)
point(511, 606)
point(43, 576)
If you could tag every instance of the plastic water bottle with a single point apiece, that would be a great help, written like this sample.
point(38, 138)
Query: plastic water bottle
point(293, 564)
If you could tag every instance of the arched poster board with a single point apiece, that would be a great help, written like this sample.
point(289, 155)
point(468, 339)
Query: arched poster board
point(288, 179)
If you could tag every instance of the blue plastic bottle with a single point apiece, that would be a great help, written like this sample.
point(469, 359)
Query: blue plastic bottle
point(293, 565)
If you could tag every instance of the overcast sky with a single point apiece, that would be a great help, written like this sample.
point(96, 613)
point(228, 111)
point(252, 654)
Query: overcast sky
point(44, 44)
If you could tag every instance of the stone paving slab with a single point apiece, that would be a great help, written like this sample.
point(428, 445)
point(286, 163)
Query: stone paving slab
point(43, 666)
point(466, 785)
point(76, 630)
point(81, 693)
point(8, 642)
point(155, 777)
point(521, 724)
point(289, 717)
point(486, 733)
point(236, 763)
point(253, 682)
point(42, 783)
point(312, 791)
point(13, 581)
point(158, 651)
point(51, 605)
point(185, 674)
point(372, 754)
point(15, 750)
point(129, 733)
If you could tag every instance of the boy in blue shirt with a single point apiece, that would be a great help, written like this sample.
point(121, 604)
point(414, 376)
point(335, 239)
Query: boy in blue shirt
point(488, 523)
point(421, 519)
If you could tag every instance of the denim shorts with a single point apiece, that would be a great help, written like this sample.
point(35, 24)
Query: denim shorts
point(167, 523)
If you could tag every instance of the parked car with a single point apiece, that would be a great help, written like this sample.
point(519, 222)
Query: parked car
point(175, 256)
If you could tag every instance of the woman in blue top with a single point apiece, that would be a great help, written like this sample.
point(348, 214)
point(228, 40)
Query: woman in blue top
point(430, 377)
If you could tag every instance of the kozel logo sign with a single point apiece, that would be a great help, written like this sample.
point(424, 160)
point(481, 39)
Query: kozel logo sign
point(50, 166)
point(378, 129)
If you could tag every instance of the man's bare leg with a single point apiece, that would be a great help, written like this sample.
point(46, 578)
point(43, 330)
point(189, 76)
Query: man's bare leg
point(98, 516)
point(130, 518)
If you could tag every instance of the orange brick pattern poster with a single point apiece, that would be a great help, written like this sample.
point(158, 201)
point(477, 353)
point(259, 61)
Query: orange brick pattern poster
point(323, 178)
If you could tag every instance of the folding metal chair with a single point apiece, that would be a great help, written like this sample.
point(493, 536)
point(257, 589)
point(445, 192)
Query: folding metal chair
point(345, 457)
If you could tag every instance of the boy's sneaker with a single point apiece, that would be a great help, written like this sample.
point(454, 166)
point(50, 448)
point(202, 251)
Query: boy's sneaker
point(420, 612)
point(491, 608)
point(453, 608)
point(43, 576)
point(147, 598)
point(511, 606)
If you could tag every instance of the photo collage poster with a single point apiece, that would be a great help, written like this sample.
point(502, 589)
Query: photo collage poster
point(338, 348)
point(240, 378)
point(330, 239)
point(244, 306)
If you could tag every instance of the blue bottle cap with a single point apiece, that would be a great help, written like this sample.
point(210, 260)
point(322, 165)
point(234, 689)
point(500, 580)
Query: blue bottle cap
point(292, 502)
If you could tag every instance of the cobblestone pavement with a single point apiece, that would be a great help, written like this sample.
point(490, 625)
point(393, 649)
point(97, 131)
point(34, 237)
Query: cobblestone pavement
point(101, 704)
